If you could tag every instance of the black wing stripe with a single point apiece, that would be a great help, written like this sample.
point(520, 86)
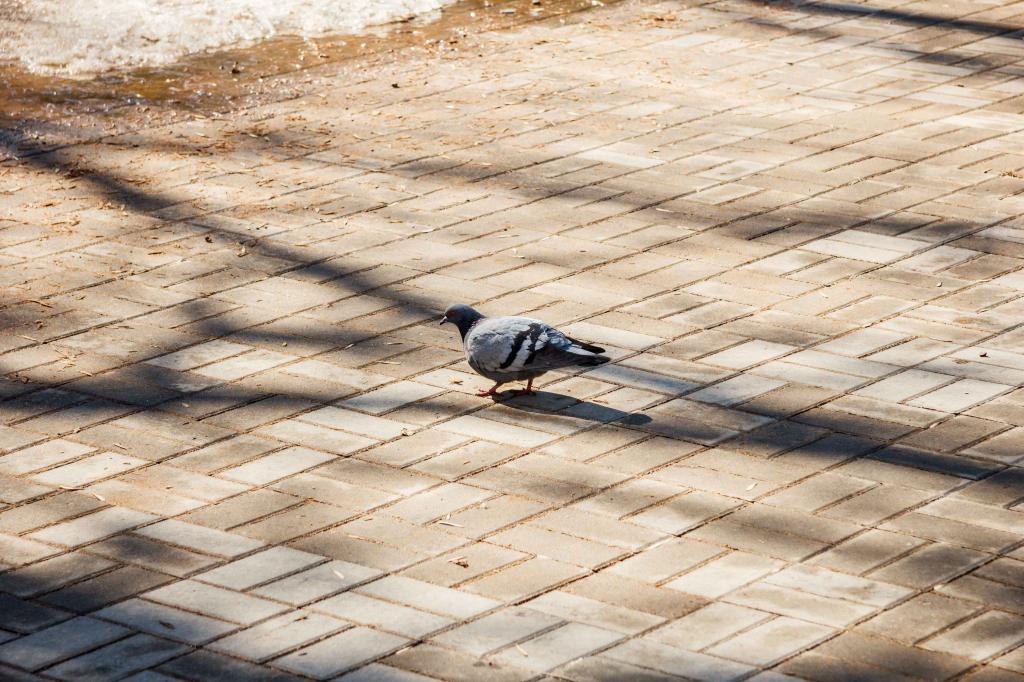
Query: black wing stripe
point(517, 343)
point(534, 346)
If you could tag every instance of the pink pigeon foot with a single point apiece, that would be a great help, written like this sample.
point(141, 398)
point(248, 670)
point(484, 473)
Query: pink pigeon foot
point(491, 391)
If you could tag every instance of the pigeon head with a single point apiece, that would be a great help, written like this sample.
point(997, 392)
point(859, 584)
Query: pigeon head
point(462, 316)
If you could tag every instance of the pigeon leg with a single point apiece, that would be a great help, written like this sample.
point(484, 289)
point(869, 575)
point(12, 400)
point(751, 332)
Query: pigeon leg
point(528, 390)
point(491, 391)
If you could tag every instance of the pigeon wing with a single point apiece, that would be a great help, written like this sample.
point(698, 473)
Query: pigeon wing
point(560, 350)
point(496, 345)
point(509, 345)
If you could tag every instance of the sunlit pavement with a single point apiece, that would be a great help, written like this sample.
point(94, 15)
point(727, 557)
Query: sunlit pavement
point(237, 445)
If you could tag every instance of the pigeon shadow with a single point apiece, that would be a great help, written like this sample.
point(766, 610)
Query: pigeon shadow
point(558, 404)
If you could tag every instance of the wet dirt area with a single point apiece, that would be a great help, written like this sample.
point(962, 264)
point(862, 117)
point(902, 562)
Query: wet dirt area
point(47, 110)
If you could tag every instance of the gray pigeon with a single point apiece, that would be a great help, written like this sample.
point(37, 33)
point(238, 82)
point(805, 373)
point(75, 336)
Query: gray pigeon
point(507, 349)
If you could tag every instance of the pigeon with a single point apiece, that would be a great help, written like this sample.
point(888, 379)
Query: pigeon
point(505, 349)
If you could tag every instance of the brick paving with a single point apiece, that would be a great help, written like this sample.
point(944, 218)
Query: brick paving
point(236, 444)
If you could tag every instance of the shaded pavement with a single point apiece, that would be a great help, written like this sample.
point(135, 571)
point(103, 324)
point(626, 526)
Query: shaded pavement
point(235, 444)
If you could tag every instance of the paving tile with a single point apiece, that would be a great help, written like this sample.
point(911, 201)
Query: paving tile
point(276, 466)
point(41, 456)
point(116, 492)
point(930, 565)
point(355, 422)
point(25, 616)
point(463, 564)
point(628, 497)
point(894, 657)
point(119, 659)
point(439, 663)
point(472, 457)
point(814, 666)
point(277, 635)
point(919, 617)
point(243, 365)
point(200, 539)
point(634, 595)
point(736, 390)
point(1011, 661)
point(759, 538)
point(827, 583)
point(331, 491)
point(390, 397)
point(1005, 570)
point(51, 573)
point(149, 676)
point(525, 579)
point(595, 668)
point(105, 588)
point(165, 621)
point(772, 641)
point(747, 354)
point(497, 630)
point(215, 602)
point(974, 588)
point(91, 528)
point(437, 502)
point(427, 597)
point(817, 492)
point(16, 550)
point(983, 515)
point(14, 490)
point(579, 609)
point(376, 672)
point(299, 520)
point(558, 546)
point(371, 553)
point(557, 647)
point(501, 433)
point(419, 446)
point(59, 642)
point(804, 606)
point(876, 504)
point(314, 436)
point(315, 583)
point(980, 637)
point(225, 453)
point(960, 395)
point(866, 551)
point(205, 664)
point(953, 532)
point(725, 574)
point(90, 469)
point(904, 385)
point(148, 553)
point(340, 652)
point(195, 356)
point(666, 659)
point(706, 626)
point(259, 568)
point(368, 474)
point(383, 615)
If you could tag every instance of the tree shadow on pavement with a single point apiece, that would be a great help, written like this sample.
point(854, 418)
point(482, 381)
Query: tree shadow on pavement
point(133, 389)
point(901, 16)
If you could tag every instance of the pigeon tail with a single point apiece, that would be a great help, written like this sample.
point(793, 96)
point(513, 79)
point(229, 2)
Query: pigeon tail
point(593, 361)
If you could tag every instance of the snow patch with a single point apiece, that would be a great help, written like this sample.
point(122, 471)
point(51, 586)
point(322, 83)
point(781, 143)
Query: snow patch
point(77, 37)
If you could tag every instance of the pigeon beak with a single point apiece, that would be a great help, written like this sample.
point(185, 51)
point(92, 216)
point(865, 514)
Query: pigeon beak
point(443, 320)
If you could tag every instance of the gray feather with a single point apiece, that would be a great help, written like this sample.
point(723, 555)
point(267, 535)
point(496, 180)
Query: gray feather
point(517, 348)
